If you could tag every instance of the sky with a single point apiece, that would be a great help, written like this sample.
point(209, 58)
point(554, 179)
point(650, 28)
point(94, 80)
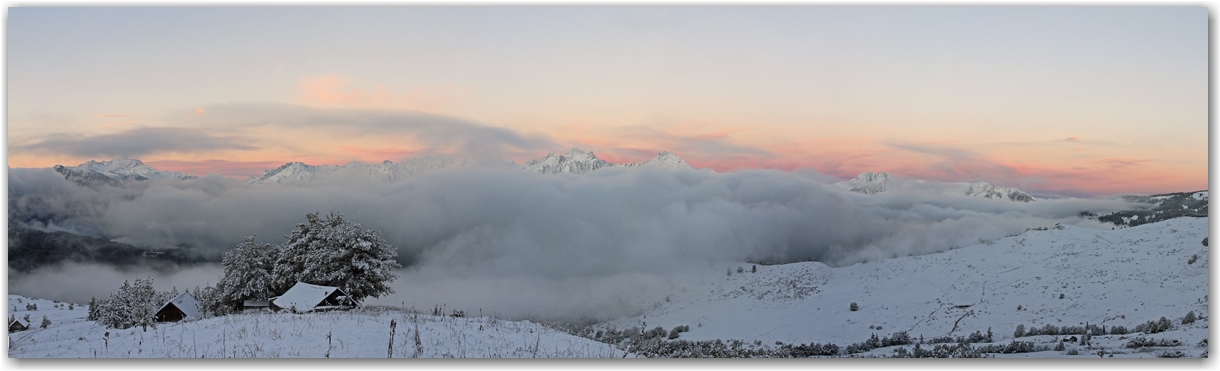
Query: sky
point(1064, 100)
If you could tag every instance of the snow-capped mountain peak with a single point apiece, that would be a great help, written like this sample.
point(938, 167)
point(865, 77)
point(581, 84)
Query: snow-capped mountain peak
point(291, 172)
point(575, 161)
point(667, 158)
point(117, 170)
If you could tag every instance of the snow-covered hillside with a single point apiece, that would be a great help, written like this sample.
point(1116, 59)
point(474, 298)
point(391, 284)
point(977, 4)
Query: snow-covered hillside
point(1163, 207)
point(363, 333)
point(1068, 276)
point(872, 183)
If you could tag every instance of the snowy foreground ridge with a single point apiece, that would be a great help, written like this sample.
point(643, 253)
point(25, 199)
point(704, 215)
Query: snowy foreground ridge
point(1062, 278)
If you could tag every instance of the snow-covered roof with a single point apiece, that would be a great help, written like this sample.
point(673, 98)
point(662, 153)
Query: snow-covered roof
point(187, 304)
point(21, 321)
point(304, 297)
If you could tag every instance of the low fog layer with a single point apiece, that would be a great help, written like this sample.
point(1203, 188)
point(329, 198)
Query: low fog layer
point(506, 240)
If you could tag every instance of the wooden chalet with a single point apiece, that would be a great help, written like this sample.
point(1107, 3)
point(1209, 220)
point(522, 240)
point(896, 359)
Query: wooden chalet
point(304, 297)
point(181, 307)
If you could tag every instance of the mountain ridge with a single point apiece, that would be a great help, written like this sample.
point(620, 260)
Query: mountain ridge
point(873, 183)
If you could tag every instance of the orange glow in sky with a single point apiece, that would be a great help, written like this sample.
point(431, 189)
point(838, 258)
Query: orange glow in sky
point(1083, 101)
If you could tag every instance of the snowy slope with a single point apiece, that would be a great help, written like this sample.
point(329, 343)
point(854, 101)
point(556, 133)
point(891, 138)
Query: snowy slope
point(1123, 277)
point(356, 334)
point(872, 183)
point(1163, 207)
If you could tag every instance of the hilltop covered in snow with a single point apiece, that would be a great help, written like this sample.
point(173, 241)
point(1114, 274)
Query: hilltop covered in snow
point(1065, 276)
point(363, 333)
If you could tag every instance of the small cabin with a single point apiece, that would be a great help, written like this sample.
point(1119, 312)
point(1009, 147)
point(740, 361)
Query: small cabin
point(304, 297)
point(17, 325)
point(179, 308)
point(255, 305)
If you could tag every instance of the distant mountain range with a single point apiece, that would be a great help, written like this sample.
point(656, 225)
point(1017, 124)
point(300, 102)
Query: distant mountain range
point(580, 162)
point(387, 170)
point(575, 161)
point(873, 183)
point(115, 171)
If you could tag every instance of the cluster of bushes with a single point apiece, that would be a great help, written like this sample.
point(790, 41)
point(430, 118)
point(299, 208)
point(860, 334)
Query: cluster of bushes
point(1050, 329)
point(1190, 318)
point(974, 337)
point(1142, 342)
point(673, 334)
point(940, 351)
point(873, 342)
point(1012, 347)
point(1152, 327)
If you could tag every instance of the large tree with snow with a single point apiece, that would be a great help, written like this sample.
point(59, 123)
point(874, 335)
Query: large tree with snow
point(248, 273)
point(335, 252)
point(132, 305)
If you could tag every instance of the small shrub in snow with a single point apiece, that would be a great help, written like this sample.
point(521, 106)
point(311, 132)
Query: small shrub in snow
point(1059, 347)
point(854, 307)
point(31, 306)
point(1073, 352)
point(45, 322)
point(1019, 332)
point(754, 269)
point(1189, 319)
point(1119, 330)
point(740, 270)
point(1173, 354)
point(1193, 259)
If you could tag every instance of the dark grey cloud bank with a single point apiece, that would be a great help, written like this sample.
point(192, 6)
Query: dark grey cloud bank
point(433, 131)
point(137, 142)
point(507, 240)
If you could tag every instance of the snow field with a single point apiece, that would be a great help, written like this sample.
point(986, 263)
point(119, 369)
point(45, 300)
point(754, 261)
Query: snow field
point(1070, 276)
point(362, 333)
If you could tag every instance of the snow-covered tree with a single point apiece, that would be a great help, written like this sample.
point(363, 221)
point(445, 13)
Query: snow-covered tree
point(45, 322)
point(92, 309)
point(132, 305)
point(339, 253)
point(248, 273)
point(211, 301)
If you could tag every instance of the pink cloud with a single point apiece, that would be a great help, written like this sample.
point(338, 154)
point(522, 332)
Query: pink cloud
point(336, 91)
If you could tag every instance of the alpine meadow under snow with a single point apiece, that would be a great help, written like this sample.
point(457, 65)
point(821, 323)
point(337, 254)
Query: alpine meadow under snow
point(571, 256)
